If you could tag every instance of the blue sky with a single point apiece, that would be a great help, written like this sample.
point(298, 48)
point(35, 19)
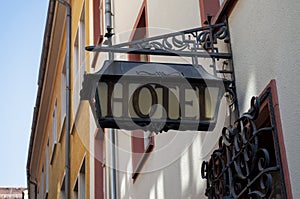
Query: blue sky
point(21, 35)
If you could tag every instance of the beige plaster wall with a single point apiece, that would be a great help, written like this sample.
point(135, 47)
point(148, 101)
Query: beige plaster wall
point(173, 169)
point(266, 45)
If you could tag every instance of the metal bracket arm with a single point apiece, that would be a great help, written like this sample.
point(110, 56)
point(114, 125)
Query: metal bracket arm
point(197, 42)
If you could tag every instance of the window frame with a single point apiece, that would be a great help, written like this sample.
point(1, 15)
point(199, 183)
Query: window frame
point(221, 12)
point(79, 188)
point(141, 24)
point(75, 190)
point(54, 131)
point(82, 181)
point(99, 163)
point(225, 10)
point(63, 101)
point(139, 156)
point(79, 59)
point(47, 164)
point(98, 27)
point(62, 194)
point(98, 21)
point(258, 135)
point(63, 93)
point(140, 31)
point(42, 183)
point(269, 97)
point(208, 7)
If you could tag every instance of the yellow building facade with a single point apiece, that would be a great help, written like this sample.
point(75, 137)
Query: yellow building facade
point(46, 166)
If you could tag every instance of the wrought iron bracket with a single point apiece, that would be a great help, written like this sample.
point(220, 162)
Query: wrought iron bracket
point(197, 43)
point(208, 42)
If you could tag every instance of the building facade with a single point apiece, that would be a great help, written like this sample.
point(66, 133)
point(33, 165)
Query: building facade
point(13, 192)
point(72, 156)
point(47, 153)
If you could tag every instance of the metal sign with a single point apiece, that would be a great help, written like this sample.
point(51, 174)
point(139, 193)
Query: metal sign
point(154, 96)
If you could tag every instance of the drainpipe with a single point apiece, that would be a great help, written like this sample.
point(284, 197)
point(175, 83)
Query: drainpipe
point(108, 35)
point(108, 22)
point(68, 83)
point(113, 192)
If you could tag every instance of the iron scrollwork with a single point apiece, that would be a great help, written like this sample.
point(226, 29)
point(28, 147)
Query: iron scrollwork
point(211, 41)
point(241, 167)
point(197, 42)
point(200, 39)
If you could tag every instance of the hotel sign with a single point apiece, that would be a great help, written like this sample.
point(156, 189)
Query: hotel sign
point(153, 96)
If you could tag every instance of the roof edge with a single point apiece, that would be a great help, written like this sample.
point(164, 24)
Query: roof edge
point(41, 76)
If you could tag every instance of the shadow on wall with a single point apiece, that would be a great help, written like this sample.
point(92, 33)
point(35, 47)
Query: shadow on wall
point(170, 171)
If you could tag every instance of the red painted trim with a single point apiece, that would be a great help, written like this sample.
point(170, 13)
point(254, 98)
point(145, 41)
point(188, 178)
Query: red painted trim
point(99, 185)
point(202, 11)
point(96, 21)
point(98, 167)
point(273, 87)
point(137, 147)
point(210, 7)
point(135, 26)
point(143, 13)
point(142, 157)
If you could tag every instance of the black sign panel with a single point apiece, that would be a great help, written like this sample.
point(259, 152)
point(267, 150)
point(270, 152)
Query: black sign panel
point(155, 96)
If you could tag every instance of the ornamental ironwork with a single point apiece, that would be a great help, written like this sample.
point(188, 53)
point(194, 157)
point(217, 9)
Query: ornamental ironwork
point(208, 45)
point(189, 43)
point(247, 163)
point(202, 42)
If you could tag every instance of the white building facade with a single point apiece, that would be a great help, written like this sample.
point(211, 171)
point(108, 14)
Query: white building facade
point(265, 46)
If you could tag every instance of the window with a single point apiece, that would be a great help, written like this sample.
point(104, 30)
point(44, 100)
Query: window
point(142, 143)
point(47, 166)
point(99, 159)
point(54, 131)
point(42, 184)
point(79, 60)
point(79, 191)
point(251, 155)
point(81, 182)
point(272, 141)
point(62, 194)
point(75, 190)
point(98, 9)
point(63, 92)
point(54, 126)
point(76, 73)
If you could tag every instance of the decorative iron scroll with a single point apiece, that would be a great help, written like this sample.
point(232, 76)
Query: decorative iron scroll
point(208, 42)
point(243, 166)
point(194, 42)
